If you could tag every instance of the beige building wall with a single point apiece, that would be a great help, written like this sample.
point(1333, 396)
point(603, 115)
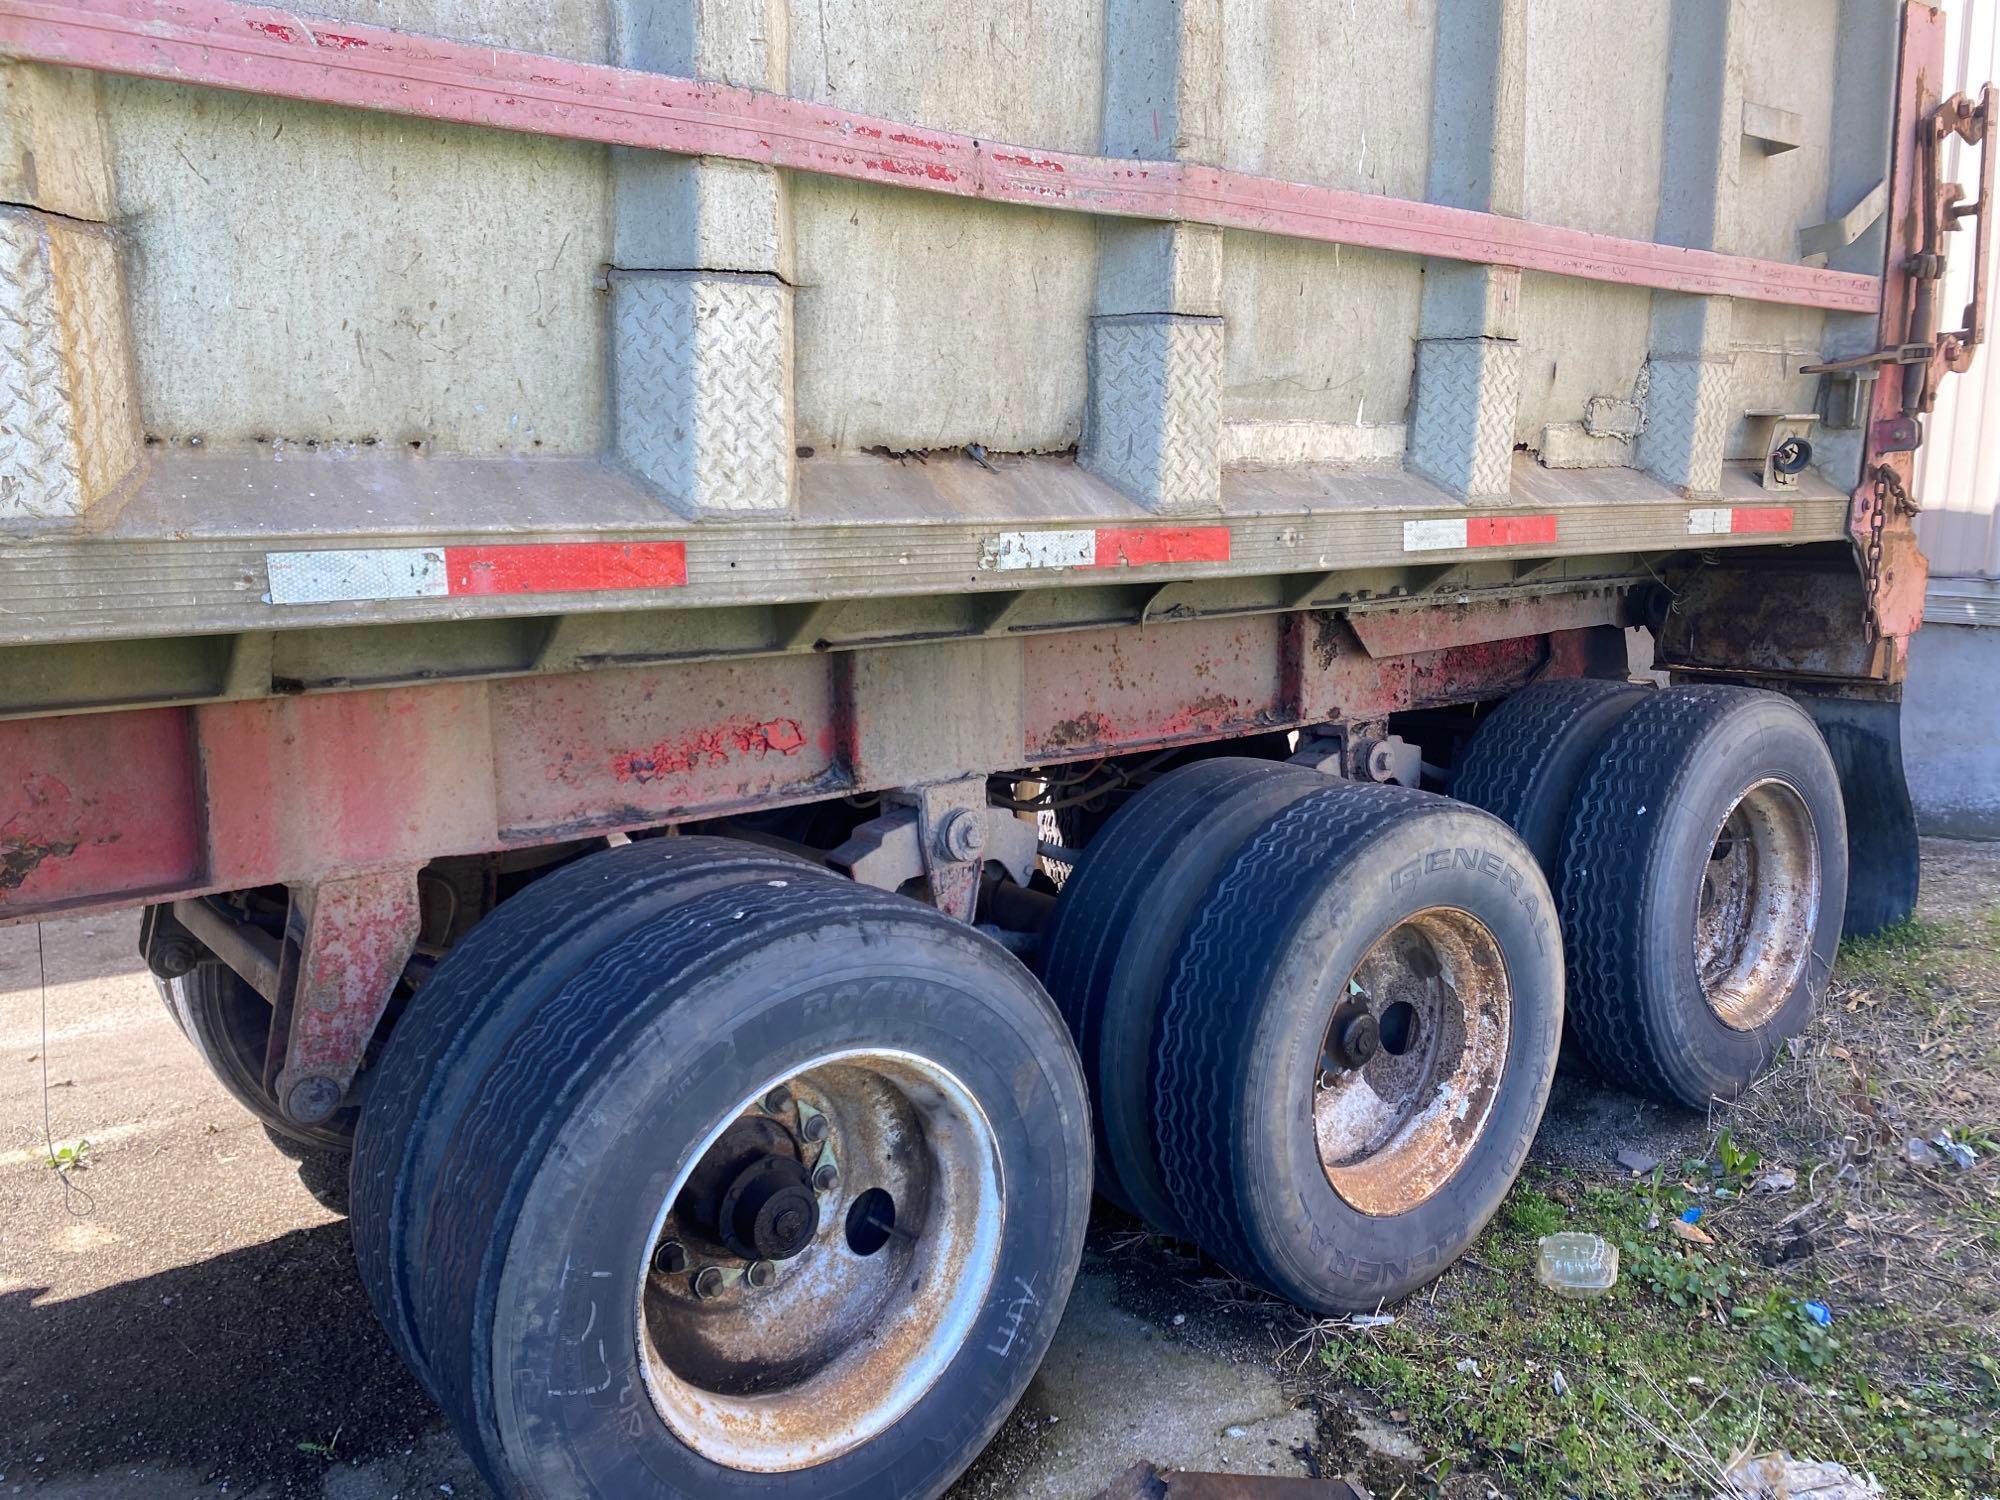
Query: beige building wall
point(1959, 466)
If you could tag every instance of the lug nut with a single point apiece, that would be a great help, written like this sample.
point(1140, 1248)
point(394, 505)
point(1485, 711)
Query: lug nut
point(1358, 1039)
point(778, 1100)
point(707, 1282)
point(761, 1273)
point(826, 1177)
point(813, 1127)
point(671, 1258)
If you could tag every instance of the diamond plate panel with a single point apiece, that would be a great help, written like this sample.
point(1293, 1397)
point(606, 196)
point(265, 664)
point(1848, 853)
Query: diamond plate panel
point(39, 471)
point(1462, 415)
point(68, 413)
point(703, 376)
point(97, 356)
point(1154, 423)
point(1687, 422)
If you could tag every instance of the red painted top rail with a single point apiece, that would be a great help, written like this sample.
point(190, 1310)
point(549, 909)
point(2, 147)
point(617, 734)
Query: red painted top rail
point(261, 50)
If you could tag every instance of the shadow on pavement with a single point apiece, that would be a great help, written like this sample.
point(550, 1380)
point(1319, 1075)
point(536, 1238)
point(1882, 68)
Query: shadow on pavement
point(221, 1368)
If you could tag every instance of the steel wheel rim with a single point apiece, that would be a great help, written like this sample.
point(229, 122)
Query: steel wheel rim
point(841, 1341)
point(1395, 1128)
point(1757, 905)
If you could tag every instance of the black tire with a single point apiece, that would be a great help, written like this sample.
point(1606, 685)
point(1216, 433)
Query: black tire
point(228, 1024)
point(486, 988)
point(1112, 938)
point(1641, 834)
point(590, 1101)
point(1253, 987)
point(1528, 757)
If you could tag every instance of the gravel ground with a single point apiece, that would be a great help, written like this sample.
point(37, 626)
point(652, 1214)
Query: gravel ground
point(184, 1320)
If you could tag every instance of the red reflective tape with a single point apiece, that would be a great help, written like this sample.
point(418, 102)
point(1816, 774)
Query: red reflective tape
point(1509, 531)
point(1135, 546)
point(565, 567)
point(1761, 518)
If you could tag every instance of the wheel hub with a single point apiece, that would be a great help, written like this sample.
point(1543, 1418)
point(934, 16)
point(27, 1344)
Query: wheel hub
point(1758, 906)
point(815, 1269)
point(1411, 1062)
point(769, 1212)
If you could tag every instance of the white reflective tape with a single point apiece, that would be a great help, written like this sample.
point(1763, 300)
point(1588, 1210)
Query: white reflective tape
point(1433, 536)
point(345, 577)
point(1709, 520)
point(1040, 549)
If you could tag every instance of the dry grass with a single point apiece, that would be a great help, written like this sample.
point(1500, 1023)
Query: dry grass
point(1901, 1065)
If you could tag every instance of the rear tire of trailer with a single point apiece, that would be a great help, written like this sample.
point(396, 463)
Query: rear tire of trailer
point(229, 1024)
point(1319, 1155)
point(1704, 881)
point(1529, 756)
point(575, 1357)
point(1111, 940)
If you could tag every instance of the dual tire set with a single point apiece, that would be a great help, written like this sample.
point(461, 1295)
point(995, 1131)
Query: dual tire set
point(1319, 1018)
point(1320, 1021)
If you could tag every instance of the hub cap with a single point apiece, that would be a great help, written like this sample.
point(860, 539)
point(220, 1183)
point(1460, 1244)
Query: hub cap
point(1411, 1062)
point(1758, 906)
point(799, 1321)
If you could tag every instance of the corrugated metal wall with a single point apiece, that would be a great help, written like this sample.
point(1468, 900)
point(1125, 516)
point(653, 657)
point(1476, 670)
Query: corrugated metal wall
point(1959, 470)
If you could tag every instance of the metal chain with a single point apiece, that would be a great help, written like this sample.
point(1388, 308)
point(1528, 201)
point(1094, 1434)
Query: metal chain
point(1889, 490)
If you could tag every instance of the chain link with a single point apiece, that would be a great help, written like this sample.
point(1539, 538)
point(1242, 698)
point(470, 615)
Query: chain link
point(1889, 491)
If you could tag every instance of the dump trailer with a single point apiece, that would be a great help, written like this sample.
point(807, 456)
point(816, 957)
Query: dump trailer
point(749, 646)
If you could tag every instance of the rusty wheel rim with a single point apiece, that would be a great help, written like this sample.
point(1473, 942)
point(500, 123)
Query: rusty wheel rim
point(1757, 906)
point(781, 1364)
point(1410, 1066)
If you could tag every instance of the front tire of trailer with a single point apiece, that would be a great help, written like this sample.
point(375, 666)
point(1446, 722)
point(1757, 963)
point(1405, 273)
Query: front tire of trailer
point(1704, 884)
point(572, 1364)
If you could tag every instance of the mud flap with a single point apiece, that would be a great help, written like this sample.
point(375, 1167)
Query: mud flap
point(1867, 744)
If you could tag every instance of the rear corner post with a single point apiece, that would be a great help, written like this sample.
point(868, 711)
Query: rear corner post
point(1467, 391)
point(1153, 419)
point(1687, 378)
point(69, 408)
point(701, 279)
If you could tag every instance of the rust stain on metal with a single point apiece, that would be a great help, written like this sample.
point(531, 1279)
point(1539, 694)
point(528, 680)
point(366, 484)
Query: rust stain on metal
point(358, 937)
point(20, 858)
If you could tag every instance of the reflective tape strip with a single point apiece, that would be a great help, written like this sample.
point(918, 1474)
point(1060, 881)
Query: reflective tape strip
point(1478, 531)
point(1040, 549)
point(347, 576)
point(1725, 520)
point(354, 575)
point(1105, 547)
point(1761, 518)
point(1135, 546)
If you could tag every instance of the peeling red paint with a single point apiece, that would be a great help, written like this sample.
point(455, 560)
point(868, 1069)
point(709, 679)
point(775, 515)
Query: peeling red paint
point(339, 40)
point(932, 170)
point(275, 30)
point(1040, 163)
point(713, 746)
